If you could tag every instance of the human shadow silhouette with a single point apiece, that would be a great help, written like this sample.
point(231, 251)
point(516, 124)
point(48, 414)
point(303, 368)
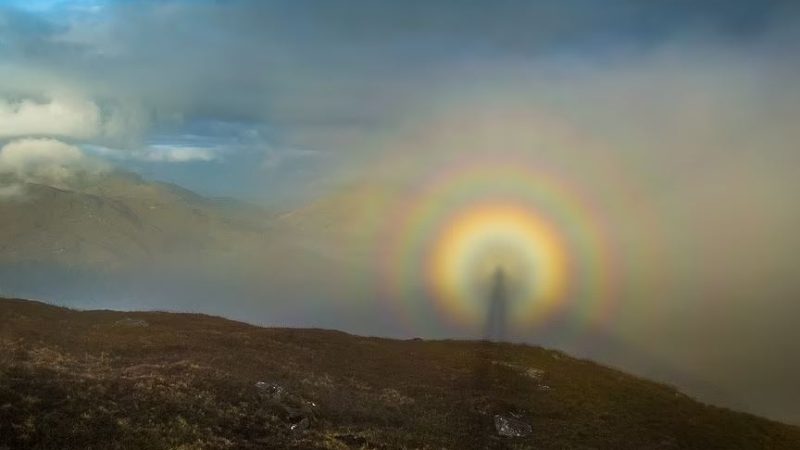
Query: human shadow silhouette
point(494, 332)
point(496, 319)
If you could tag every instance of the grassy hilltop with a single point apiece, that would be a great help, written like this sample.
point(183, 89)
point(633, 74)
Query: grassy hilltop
point(152, 380)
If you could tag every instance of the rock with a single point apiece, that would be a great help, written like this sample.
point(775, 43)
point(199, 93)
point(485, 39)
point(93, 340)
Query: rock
point(511, 426)
point(301, 425)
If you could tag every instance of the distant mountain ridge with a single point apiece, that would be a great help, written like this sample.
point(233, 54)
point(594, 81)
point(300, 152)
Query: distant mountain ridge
point(117, 219)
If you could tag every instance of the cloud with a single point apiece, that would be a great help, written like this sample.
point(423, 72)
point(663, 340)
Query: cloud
point(46, 161)
point(176, 153)
point(304, 67)
point(13, 191)
point(170, 153)
point(68, 114)
point(65, 117)
point(331, 82)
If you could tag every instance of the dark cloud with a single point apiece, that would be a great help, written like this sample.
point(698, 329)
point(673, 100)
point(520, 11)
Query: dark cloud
point(305, 63)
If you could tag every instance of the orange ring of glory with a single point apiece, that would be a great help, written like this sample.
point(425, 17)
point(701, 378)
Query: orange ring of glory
point(476, 242)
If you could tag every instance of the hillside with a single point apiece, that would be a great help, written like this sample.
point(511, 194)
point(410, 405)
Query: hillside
point(103, 379)
point(118, 219)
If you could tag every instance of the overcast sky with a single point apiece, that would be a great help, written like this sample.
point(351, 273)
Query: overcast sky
point(260, 98)
point(679, 119)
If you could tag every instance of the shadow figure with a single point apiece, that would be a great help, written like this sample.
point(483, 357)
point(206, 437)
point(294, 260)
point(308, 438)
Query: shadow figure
point(494, 330)
point(494, 333)
point(498, 305)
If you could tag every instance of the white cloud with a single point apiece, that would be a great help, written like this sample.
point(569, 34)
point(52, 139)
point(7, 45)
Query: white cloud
point(46, 161)
point(157, 153)
point(177, 153)
point(65, 117)
point(12, 191)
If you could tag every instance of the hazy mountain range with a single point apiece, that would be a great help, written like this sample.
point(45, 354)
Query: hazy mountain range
point(113, 239)
point(118, 219)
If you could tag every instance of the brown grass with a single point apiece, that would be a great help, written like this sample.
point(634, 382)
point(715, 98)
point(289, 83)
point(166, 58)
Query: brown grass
point(93, 380)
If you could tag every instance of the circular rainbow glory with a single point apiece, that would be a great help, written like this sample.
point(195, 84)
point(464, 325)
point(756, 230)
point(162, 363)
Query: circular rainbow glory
point(487, 237)
point(453, 232)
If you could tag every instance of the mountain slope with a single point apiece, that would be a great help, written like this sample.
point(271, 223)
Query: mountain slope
point(118, 219)
point(103, 379)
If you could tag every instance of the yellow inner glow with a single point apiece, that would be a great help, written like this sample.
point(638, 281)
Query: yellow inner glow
point(527, 248)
